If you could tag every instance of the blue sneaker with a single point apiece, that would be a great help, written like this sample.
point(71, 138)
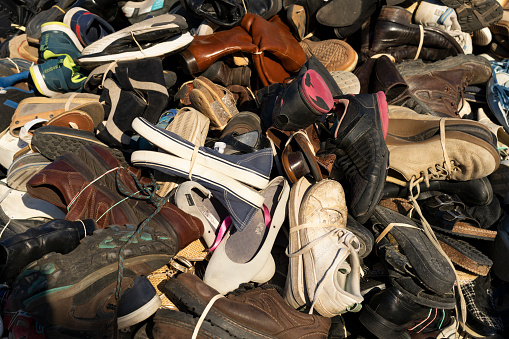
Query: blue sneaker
point(57, 39)
point(87, 26)
point(59, 75)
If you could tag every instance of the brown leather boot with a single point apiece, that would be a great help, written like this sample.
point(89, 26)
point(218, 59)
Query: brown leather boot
point(279, 53)
point(207, 49)
point(245, 313)
point(394, 28)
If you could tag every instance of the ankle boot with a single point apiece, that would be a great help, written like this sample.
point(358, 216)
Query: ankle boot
point(207, 49)
point(59, 236)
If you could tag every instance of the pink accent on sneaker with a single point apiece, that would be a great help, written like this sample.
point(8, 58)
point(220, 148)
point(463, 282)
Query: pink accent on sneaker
point(316, 92)
point(384, 111)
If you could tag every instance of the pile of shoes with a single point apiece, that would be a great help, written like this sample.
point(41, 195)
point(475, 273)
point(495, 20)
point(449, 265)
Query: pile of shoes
point(254, 169)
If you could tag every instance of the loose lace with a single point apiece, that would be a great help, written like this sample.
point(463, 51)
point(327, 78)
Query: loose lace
point(345, 239)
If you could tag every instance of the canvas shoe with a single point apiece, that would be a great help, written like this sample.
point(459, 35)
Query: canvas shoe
point(246, 256)
point(160, 36)
point(82, 287)
point(57, 39)
point(59, 75)
point(88, 27)
point(324, 271)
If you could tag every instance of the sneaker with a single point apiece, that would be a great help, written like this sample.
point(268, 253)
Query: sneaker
point(433, 12)
point(57, 39)
point(87, 26)
point(59, 75)
point(53, 13)
point(364, 119)
point(474, 15)
point(156, 37)
point(83, 288)
point(136, 11)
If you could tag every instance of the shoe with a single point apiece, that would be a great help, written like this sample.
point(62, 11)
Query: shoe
point(435, 13)
point(365, 167)
point(198, 201)
point(347, 82)
point(53, 13)
point(70, 284)
point(477, 14)
point(23, 168)
point(220, 73)
point(136, 11)
point(57, 39)
point(482, 37)
point(59, 75)
point(257, 312)
point(324, 271)
point(326, 14)
point(214, 101)
point(334, 54)
point(245, 256)
point(170, 30)
point(88, 27)
point(17, 48)
point(497, 93)
point(482, 319)
point(59, 236)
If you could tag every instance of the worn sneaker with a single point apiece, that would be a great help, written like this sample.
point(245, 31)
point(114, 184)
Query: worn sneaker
point(57, 39)
point(136, 11)
point(87, 26)
point(156, 37)
point(82, 288)
point(58, 75)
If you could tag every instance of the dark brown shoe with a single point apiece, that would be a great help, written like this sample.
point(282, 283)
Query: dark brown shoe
point(395, 28)
point(245, 313)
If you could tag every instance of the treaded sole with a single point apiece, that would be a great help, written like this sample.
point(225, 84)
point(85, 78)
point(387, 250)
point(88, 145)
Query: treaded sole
point(465, 255)
point(475, 14)
point(185, 299)
point(379, 326)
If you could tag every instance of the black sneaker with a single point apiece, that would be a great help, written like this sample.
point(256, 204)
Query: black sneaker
point(75, 295)
point(363, 157)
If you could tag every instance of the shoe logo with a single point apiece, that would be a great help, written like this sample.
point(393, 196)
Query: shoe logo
point(313, 88)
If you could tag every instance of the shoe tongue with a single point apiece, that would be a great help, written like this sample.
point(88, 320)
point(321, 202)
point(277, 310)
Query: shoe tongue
point(316, 92)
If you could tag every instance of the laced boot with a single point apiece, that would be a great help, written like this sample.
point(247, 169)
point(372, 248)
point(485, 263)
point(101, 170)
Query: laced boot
point(59, 236)
point(362, 154)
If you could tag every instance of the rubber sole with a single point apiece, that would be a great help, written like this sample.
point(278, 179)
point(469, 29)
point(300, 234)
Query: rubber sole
point(39, 82)
point(476, 14)
point(140, 314)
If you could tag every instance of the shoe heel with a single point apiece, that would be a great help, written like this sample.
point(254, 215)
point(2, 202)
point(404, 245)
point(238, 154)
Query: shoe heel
point(395, 14)
point(267, 271)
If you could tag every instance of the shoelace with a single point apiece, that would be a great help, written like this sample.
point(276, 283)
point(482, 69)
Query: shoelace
point(345, 239)
point(500, 90)
point(414, 183)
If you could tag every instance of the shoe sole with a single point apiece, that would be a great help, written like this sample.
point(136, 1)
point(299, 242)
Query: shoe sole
point(171, 46)
point(347, 82)
point(417, 67)
point(476, 14)
point(463, 254)
point(23, 168)
point(53, 141)
point(167, 141)
point(294, 287)
point(140, 314)
point(39, 82)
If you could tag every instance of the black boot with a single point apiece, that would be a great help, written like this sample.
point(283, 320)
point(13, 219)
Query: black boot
point(61, 236)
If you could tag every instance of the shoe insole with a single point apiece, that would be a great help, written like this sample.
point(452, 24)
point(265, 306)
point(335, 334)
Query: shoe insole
point(243, 246)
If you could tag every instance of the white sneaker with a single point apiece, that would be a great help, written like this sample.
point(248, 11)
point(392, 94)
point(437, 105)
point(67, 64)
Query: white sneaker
point(434, 12)
point(324, 270)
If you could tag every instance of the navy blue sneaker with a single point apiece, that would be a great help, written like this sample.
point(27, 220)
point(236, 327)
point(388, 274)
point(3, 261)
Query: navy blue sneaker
point(87, 26)
point(58, 75)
